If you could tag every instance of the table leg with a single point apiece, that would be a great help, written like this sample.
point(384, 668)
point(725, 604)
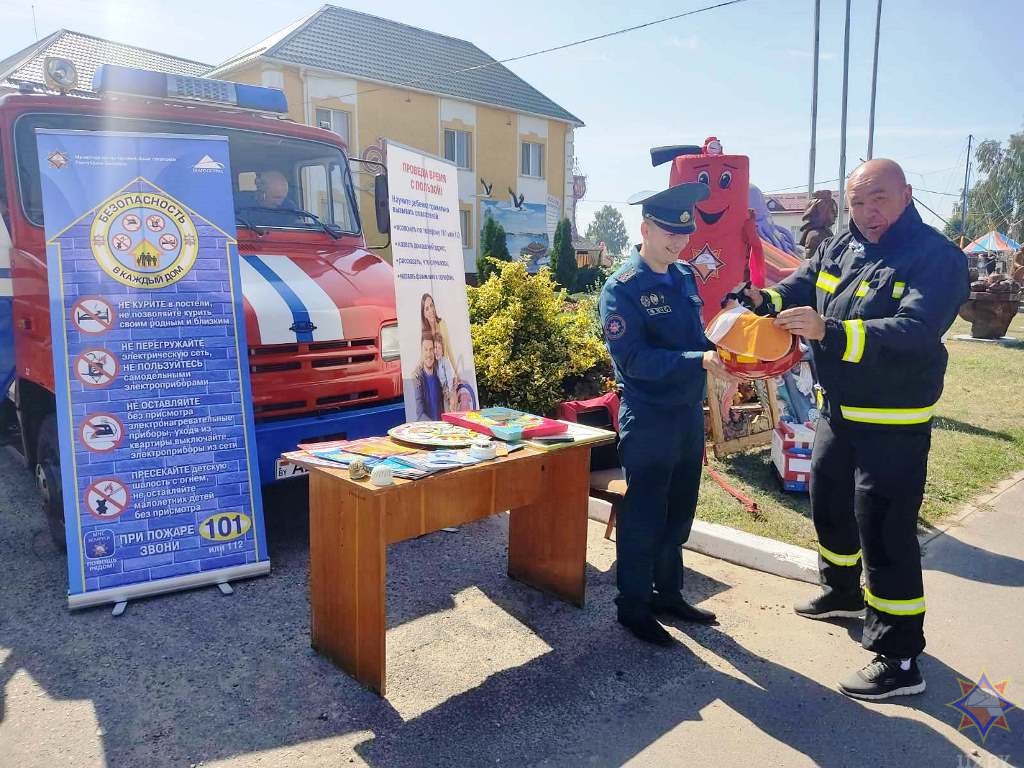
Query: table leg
point(547, 539)
point(347, 579)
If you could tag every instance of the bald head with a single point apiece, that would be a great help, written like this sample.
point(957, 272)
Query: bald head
point(879, 170)
point(273, 188)
point(878, 194)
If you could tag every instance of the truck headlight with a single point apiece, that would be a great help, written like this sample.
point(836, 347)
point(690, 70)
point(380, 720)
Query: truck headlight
point(389, 349)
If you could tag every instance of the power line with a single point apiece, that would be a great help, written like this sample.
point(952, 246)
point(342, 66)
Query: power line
point(562, 47)
point(936, 192)
point(799, 186)
point(933, 213)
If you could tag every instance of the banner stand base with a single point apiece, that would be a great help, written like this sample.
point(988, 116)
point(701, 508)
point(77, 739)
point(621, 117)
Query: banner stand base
point(121, 595)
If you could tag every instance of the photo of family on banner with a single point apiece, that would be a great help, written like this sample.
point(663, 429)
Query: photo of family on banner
point(438, 385)
point(436, 349)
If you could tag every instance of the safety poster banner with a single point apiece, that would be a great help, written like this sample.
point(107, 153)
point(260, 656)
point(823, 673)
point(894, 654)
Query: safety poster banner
point(158, 456)
point(436, 349)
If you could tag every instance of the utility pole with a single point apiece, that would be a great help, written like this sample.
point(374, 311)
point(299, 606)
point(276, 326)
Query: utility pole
point(963, 204)
point(842, 126)
point(814, 98)
point(874, 84)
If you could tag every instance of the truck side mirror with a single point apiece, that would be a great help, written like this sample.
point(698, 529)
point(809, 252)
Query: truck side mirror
point(381, 200)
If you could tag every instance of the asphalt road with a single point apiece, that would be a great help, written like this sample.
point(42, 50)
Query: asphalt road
point(484, 670)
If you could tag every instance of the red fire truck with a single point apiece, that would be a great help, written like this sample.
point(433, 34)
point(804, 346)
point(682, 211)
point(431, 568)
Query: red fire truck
point(319, 306)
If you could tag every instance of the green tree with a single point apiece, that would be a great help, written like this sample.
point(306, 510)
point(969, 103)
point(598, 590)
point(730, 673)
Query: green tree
point(609, 228)
point(591, 279)
point(529, 342)
point(493, 246)
point(996, 201)
point(486, 243)
point(500, 250)
point(563, 256)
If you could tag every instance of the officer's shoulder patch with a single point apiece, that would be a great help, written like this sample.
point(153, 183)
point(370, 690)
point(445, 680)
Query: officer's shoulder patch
point(614, 327)
point(626, 275)
point(685, 268)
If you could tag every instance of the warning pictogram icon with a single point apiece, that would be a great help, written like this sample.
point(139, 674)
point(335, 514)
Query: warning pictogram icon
point(93, 315)
point(107, 498)
point(101, 432)
point(96, 368)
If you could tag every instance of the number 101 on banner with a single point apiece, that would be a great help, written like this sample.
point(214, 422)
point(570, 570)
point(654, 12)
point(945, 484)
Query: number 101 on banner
point(225, 526)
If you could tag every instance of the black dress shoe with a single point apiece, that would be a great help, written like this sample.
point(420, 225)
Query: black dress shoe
point(648, 629)
point(680, 609)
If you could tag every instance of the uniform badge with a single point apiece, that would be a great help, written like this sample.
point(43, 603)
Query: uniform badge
point(627, 274)
point(614, 327)
point(706, 263)
point(654, 299)
point(685, 217)
point(645, 301)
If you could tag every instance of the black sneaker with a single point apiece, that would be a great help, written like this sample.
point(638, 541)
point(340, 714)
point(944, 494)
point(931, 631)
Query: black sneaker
point(647, 628)
point(883, 678)
point(832, 605)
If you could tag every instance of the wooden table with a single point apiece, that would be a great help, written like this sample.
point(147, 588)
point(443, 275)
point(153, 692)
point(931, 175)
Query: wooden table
point(351, 524)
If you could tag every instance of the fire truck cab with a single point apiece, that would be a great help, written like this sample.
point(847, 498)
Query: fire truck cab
point(319, 306)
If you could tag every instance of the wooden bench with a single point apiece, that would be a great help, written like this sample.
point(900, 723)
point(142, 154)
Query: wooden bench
point(609, 485)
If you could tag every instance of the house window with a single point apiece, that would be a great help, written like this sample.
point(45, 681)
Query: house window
point(466, 221)
point(532, 160)
point(336, 120)
point(458, 147)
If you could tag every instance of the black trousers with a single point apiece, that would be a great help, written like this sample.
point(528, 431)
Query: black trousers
point(866, 492)
point(661, 451)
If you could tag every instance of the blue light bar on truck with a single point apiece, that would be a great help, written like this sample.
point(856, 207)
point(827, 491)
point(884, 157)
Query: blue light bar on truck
point(128, 81)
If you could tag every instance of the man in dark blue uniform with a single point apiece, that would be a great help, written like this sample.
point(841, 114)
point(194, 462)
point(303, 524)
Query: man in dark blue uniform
point(651, 313)
point(874, 302)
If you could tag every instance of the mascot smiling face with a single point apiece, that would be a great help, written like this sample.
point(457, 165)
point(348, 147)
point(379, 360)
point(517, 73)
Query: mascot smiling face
point(719, 250)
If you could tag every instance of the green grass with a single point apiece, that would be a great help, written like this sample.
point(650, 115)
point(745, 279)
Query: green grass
point(977, 441)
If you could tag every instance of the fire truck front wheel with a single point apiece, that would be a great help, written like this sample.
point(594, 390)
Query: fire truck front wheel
point(47, 473)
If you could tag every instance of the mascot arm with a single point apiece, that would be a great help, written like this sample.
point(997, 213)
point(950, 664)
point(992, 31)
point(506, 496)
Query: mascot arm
point(798, 289)
point(756, 255)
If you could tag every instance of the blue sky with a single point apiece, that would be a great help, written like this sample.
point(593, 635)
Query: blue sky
point(742, 73)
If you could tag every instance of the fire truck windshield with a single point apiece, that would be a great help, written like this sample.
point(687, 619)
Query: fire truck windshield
point(274, 178)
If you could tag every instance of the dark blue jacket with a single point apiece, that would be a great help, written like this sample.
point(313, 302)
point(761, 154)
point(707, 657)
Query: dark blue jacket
point(886, 307)
point(655, 333)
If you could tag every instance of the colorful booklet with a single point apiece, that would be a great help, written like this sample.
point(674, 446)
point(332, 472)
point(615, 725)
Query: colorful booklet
point(376, 447)
point(435, 461)
point(574, 434)
point(506, 423)
point(340, 456)
point(399, 468)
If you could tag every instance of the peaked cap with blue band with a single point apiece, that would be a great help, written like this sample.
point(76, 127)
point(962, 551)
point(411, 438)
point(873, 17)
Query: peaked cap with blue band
point(672, 209)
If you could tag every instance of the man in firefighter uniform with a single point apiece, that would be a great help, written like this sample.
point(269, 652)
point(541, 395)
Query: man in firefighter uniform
point(651, 314)
point(875, 302)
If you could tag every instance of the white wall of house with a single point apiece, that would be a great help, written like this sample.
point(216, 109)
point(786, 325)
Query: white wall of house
point(534, 189)
point(570, 161)
point(322, 88)
point(452, 111)
point(272, 77)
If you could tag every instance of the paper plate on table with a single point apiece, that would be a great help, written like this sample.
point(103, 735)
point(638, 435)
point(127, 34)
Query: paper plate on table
point(436, 434)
